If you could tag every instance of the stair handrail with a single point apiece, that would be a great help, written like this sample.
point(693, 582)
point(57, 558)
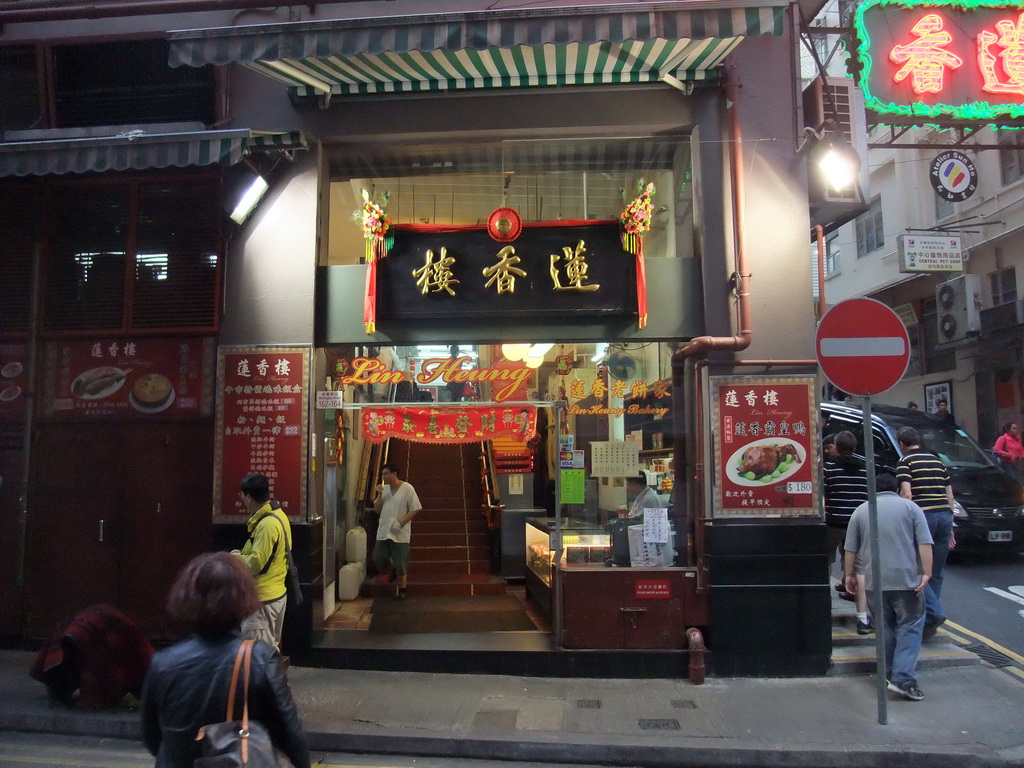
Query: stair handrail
point(492, 505)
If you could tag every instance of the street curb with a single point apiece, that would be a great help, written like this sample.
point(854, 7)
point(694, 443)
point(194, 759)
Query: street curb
point(678, 755)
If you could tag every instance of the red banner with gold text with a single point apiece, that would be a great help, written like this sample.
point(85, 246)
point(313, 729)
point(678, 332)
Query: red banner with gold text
point(460, 424)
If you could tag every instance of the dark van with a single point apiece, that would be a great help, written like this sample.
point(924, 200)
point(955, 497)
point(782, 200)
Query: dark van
point(988, 516)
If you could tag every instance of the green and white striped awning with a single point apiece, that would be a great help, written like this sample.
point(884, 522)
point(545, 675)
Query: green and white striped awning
point(581, 45)
point(137, 150)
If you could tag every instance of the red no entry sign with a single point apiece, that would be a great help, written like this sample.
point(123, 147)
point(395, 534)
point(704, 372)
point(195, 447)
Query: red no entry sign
point(862, 347)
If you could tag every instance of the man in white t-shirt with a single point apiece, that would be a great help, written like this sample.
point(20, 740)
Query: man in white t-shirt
point(397, 504)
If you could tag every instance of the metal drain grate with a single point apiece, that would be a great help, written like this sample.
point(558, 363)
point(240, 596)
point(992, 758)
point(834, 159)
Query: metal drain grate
point(683, 704)
point(995, 658)
point(659, 724)
point(588, 703)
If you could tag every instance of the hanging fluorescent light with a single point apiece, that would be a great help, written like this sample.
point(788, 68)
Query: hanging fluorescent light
point(540, 350)
point(514, 352)
point(600, 351)
point(249, 199)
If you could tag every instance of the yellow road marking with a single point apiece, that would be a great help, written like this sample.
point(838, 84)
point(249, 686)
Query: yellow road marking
point(53, 760)
point(991, 644)
point(955, 638)
point(1014, 671)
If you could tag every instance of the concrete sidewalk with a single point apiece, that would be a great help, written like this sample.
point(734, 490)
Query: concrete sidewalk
point(971, 716)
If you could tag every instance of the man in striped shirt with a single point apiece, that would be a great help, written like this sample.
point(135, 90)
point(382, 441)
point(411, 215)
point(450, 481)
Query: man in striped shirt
point(924, 479)
point(846, 488)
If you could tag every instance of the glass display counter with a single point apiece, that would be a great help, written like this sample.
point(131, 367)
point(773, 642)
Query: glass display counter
point(583, 543)
point(605, 606)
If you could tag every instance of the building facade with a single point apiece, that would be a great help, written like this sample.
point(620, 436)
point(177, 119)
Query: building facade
point(126, 136)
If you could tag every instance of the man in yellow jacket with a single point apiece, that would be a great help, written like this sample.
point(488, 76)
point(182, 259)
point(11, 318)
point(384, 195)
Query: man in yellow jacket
point(264, 553)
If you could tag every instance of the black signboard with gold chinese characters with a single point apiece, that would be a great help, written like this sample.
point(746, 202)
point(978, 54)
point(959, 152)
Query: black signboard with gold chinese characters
point(548, 270)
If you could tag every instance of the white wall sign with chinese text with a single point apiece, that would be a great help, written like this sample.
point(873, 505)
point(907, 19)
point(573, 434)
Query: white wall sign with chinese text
point(617, 458)
point(930, 253)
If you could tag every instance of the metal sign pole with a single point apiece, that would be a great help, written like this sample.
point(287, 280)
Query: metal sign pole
point(876, 566)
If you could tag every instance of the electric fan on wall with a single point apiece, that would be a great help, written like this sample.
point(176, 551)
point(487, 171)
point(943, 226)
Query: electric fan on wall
point(621, 366)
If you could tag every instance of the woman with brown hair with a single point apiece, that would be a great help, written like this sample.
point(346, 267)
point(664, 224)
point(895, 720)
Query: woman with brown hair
point(187, 684)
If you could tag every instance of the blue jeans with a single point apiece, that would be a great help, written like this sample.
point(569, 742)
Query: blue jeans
point(903, 620)
point(941, 526)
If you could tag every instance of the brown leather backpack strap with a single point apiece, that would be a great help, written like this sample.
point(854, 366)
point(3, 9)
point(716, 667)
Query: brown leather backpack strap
point(234, 682)
point(247, 644)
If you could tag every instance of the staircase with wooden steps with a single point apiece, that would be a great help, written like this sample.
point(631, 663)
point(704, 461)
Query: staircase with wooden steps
point(449, 551)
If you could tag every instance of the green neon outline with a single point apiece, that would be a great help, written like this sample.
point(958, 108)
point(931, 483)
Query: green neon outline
point(976, 110)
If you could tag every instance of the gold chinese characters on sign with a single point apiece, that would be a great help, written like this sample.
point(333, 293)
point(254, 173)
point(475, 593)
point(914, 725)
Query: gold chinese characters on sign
point(437, 273)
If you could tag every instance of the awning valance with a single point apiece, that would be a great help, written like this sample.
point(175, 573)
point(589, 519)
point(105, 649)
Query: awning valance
point(136, 150)
point(582, 45)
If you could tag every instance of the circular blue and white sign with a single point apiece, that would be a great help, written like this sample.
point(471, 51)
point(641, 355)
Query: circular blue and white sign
point(954, 176)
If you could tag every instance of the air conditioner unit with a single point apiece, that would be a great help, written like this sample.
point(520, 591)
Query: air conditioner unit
point(958, 308)
point(1003, 317)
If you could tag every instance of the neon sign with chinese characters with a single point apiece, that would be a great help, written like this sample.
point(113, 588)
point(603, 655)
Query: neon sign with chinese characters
point(962, 59)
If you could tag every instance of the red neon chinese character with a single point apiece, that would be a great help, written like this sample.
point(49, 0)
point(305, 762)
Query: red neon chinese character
point(1011, 40)
point(925, 57)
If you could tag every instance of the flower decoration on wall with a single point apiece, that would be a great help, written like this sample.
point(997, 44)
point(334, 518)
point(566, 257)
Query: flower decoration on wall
point(377, 229)
point(636, 220)
point(379, 236)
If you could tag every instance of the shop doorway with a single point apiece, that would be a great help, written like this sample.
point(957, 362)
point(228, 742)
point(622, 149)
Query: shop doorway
point(455, 581)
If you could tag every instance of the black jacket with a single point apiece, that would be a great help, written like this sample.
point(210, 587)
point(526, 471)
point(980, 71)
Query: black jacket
point(187, 688)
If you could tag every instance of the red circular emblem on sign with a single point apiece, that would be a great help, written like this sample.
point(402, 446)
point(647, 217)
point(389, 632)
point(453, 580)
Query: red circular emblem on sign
point(504, 225)
point(862, 347)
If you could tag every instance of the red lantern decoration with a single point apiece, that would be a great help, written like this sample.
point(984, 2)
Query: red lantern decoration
point(504, 225)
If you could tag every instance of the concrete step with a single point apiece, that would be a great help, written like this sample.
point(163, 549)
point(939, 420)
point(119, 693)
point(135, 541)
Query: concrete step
point(854, 654)
point(420, 586)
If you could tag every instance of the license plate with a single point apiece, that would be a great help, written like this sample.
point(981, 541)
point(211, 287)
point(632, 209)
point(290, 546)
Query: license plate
point(1000, 535)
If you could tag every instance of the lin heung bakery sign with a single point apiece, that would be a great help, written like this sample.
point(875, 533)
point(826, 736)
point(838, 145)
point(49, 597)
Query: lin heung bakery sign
point(504, 382)
point(958, 59)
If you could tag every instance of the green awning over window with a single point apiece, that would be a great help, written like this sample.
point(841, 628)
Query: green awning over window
point(137, 150)
point(581, 45)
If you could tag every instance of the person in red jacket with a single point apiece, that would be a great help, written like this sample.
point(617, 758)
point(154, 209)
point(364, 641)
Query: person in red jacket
point(1009, 450)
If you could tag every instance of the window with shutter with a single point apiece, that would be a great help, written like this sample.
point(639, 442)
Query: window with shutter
point(138, 255)
point(20, 227)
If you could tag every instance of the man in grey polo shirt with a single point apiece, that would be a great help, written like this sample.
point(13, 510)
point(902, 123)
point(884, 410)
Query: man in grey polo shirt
point(905, 552)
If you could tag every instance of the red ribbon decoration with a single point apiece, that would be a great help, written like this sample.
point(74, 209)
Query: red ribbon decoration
point(451, 424)
point(370, 297)
point(641, 283)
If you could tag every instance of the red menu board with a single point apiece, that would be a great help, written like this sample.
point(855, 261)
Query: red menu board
point(13, 381)
point(128, 378)
point(766, 445)
point(262, 395)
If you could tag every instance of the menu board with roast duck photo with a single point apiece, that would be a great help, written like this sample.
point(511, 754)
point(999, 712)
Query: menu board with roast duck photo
point(128, 378)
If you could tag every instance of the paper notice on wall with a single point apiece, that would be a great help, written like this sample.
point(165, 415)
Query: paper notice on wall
point(617, 458)
point(515, 485)
point(656, 526)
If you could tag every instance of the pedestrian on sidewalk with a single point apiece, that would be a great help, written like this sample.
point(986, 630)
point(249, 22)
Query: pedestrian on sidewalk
point(924, 479)
point(1009, 450)
point(188, 684)
point(397, 504)
point(846, 488)
point(265, 553)
point(905, 552)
